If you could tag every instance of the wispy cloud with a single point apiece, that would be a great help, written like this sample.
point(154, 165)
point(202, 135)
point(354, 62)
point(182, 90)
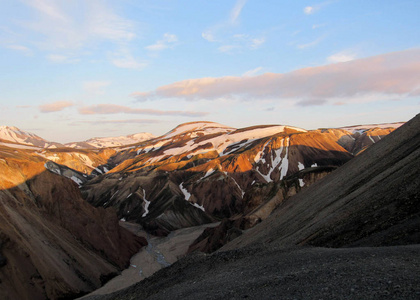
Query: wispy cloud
point(252, 72)
point(226, 48)
point(343, 56)
point(22, 49)
point(67, 30)
point(311, 44)
point(124, 59)
point(208, 35)
point(369, 79)
point(167, 41)
point(315, 26)
point(228, 42)
point(128, 121)
point(55, 106)
point(236, 11)
point(248, 41)
point(107, 109)
point(95, 87)
point(62, 59)
point(309, 10)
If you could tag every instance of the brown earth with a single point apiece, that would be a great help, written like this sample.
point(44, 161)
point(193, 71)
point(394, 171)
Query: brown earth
point(54, 245)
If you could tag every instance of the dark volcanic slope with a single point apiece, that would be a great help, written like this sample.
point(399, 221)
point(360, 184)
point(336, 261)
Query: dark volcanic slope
point(289, 273)
point(373, 200)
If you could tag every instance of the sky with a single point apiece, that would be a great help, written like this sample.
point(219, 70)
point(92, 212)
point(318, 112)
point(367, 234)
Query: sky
point(77, 69)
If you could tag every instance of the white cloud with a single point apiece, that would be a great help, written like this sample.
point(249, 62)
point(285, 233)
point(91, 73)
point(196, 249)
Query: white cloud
point(341, 57)
point(309, 10)
point(167, 41)
point(236, 11)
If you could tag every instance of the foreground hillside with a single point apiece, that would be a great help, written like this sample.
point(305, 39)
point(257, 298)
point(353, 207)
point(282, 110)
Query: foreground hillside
point(372, 200)
point(53, 244)
point(268, 272)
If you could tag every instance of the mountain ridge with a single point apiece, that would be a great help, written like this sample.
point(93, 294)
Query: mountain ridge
point(12, 134)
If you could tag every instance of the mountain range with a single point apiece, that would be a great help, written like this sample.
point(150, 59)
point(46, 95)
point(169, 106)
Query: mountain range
point(354, 234)
point(61, 203)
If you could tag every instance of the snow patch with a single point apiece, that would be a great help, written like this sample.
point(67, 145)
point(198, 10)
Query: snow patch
point(239, 187)
point(285, 161)
point(301, 166)
point(187, 195)
point(99, 171)
point(146, 204)
point(209, 172)
point(77, 180)
point(199, 206)
point(301, 183)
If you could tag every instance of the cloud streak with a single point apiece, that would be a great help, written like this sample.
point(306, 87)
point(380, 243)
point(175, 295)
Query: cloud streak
point(167, 41)
point(25, 50)
point(392, 74)
point(55, 106)
point(228, 43)
point(341, 57)
point(107, 109)
point(128, 121)
point(236, 11)
point(95, 87)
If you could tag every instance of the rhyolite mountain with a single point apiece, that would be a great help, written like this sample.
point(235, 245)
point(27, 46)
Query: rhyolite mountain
point(11, 134)
point(369, 208)
point(108, 142)
point(202, 172)
point(198, 173)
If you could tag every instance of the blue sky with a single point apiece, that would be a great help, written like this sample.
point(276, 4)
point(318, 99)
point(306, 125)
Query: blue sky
point(76, 69)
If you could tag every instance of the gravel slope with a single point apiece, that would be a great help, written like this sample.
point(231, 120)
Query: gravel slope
point(267, 272)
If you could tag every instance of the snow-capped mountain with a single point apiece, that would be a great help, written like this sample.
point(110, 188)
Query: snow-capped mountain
point(15, 135)
point(206, 171)
point(107, 142)
point(362, 128)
